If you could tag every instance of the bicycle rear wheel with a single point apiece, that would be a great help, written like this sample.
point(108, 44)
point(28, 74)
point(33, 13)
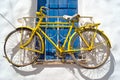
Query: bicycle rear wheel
point(95, 57)
point(20, 56)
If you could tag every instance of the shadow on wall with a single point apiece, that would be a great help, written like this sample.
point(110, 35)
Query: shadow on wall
point(101, 73)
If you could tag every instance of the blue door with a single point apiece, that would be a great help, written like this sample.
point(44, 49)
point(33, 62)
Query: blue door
point(56, 8)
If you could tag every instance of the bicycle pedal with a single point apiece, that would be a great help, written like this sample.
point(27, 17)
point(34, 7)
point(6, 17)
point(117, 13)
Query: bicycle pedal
point(63, 60)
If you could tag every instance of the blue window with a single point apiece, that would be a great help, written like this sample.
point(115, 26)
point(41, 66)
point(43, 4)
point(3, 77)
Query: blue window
point(63, 3)
point(53, 3)
point(72, 11)
point(40, 3)
point(52, 12)
point(63, 12)
point(56, 8)
point(50, 50)
point(72, 3)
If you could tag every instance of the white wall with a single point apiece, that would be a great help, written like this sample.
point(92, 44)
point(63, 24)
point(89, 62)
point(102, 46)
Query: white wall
point(108, 13)
point(104, 11)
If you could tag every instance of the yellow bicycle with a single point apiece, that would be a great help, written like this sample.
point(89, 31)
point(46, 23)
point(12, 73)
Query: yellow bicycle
point(88, 46)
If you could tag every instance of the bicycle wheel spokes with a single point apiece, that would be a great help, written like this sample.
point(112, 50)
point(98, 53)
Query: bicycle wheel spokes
point(94, 57)
point(19, 56)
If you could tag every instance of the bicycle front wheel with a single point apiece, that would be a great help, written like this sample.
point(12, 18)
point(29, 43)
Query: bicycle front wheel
point(22, 56)
point(97, 55)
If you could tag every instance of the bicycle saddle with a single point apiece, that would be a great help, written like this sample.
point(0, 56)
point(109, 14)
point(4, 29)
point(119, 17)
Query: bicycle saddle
point(74, 18)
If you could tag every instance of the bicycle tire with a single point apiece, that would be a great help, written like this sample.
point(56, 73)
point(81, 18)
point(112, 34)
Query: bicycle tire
point(96, 57)
point(17, 56)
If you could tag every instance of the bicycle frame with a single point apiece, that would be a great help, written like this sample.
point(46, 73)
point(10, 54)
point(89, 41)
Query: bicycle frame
point(38, 29)
point(62, 48)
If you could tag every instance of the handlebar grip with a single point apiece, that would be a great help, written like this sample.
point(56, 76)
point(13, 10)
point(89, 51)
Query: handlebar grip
point(38, 13)
point(43, 8)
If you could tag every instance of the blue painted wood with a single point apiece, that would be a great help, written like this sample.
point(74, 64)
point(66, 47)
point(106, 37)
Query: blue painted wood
point(56, 8)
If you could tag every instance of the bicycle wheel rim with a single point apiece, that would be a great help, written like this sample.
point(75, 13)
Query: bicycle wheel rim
point(13, 52)
point(96, 51)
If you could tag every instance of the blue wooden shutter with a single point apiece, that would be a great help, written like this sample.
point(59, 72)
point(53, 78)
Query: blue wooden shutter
point(56, 8)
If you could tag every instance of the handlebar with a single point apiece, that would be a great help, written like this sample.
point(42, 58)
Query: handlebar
point(42, 11)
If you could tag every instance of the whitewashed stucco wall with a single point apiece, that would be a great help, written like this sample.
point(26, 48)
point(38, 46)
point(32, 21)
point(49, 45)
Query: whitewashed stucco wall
point(104, 11)
point(108, 13)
